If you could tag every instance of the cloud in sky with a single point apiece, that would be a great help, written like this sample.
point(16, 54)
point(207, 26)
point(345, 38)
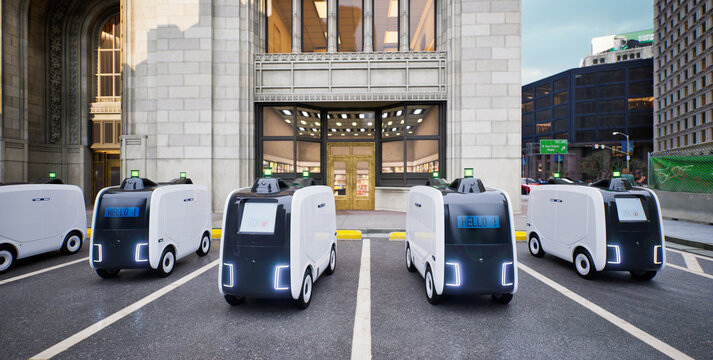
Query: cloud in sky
point(557, 34)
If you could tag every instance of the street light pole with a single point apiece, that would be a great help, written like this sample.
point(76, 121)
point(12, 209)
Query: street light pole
point(627, 147)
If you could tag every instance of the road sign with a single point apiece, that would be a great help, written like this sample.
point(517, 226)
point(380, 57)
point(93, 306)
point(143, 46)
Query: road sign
point(553, 146)
point(625, 148)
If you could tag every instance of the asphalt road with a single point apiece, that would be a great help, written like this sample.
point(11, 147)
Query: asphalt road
point(192, 320)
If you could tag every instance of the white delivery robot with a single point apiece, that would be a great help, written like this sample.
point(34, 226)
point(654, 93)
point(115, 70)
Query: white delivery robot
point(277, 240)
point(144, 225)
point(609, 225)
point(460, 238)
point(39, 218)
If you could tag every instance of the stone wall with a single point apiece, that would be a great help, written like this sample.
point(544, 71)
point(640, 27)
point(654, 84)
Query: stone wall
point(188, 92)
point(484, 92)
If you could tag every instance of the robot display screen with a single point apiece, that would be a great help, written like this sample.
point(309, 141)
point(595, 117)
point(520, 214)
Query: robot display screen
point(479, 222)
point(258, 217)
point(121, 212)
point(630, 209)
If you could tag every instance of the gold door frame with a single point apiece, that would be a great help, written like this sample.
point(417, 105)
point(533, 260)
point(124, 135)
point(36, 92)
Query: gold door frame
point(350, 200)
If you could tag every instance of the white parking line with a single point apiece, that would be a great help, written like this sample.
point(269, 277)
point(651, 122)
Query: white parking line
point(361, 340)
point(689, 271)
point(93, 329)
point(691, 263)
point(652, 341)
point(24, 276)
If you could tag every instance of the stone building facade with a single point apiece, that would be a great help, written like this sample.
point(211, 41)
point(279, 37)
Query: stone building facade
point(195, 83)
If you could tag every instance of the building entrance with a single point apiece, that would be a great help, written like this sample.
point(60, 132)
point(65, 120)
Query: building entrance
point(350, 174)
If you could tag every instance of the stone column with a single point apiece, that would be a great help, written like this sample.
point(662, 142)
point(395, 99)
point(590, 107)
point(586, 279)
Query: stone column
point(403, 26)
point(331, 26)
point(296, 26)
point(368, 18)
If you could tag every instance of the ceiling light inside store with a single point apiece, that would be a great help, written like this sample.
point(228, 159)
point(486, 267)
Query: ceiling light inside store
point(393, 8)
point(384, 115)
point(402, 121)
point(315, 130)
point(361, 116)
point(316, 123)
point(338, 123)
point(344, 116)
point(321, 7)
point(419, 120)
point(304, 113)
point(354, 123)
point(362, 130)
point(303, 122)
point(397, 134)
point(319, 115)
point(369, 123)
point(398, 113)
point(302, 129)
point(343, 134)
point(348, 130)
point(288, 121)
point(391, 37)
point(389, 123)
point(393, 129)
point(334, 130)
point(418, 111)
point(287, 112)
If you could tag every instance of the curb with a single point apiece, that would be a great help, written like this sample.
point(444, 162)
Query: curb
point(691, 243)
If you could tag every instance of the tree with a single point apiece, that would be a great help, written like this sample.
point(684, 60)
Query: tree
point(597, 163)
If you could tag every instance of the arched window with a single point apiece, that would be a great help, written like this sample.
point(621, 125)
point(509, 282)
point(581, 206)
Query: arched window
point(109, 61)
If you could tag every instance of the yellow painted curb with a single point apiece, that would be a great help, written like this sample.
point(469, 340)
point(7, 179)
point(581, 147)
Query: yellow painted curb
point(397, 235)
point(216, 233)
point(349, 234)
point(520, 236)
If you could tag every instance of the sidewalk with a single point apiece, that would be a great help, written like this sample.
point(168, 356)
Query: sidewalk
point(690, 234)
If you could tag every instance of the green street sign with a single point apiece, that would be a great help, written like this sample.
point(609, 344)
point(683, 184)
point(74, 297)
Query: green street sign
point(553, 146)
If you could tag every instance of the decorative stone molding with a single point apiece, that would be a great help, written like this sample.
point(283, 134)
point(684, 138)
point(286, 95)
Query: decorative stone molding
point(357, 76)
point(55, 69)
point(105, 107)
point(350, 56)
point(318, 97)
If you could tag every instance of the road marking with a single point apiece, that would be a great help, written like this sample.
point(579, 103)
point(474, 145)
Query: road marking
point(689, 271)
point(685, 252)
point(657, 344)
point(691, 263)
point(361, 340)
point(101, 324)
point(20, 277)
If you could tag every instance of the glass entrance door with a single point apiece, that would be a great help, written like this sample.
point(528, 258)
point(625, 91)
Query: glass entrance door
point(350, 173)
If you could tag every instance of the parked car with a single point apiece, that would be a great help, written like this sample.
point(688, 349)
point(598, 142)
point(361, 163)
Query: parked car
point(526, 184)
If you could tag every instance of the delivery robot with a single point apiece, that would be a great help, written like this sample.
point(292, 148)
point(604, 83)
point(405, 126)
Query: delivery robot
point(277, 240)
point(609, 225)
point(145, 225)
point(460, 238)
point(39, 218)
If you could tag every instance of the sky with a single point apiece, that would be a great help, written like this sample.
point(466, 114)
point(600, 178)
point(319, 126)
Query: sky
point(557, 34)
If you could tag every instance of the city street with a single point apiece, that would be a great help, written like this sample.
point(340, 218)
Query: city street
point(69, 312)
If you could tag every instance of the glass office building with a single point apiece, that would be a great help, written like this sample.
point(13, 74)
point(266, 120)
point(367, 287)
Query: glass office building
point(585, 106)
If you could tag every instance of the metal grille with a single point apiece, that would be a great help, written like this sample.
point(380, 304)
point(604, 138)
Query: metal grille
point(689, 170)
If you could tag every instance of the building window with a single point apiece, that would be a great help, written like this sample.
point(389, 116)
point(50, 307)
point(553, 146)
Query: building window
point(386, 25)
point(279, 26)
point(293, 138)
point(422, 25)
point(109, 62)
point(349, 20)
point(314, 26)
